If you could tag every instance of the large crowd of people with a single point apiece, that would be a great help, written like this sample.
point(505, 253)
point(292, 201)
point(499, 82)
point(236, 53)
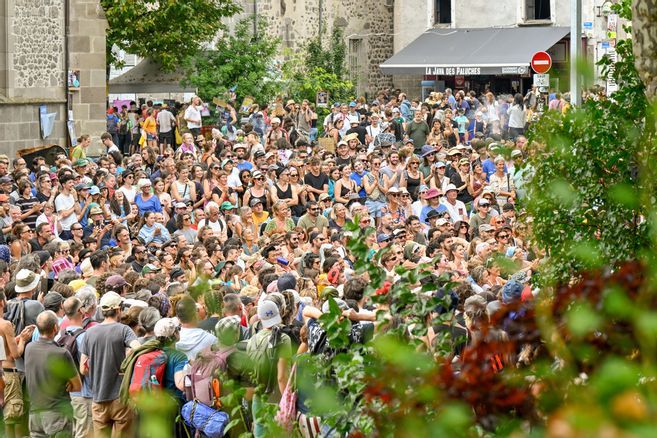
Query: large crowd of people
point(182, 256)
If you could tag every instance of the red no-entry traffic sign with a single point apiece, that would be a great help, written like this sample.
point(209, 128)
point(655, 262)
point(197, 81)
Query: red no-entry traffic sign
point(541, 62)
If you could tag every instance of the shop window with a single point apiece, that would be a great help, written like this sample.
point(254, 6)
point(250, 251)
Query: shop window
point(537, 10)
point(443, 12)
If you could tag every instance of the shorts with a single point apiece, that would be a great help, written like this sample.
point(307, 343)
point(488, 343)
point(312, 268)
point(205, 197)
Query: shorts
point(150, 137)
point(375, 207)
point(50, 423)
point(13, 409)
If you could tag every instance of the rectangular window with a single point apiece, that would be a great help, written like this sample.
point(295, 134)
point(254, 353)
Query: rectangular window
point(537, 10)
point(355, 52)
point(443, 12)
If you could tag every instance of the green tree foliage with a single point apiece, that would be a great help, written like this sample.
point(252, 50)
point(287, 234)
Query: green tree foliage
point(241, 62)
point(165, 31)
point(585, 193)
point(332, 58)
point(306, 86)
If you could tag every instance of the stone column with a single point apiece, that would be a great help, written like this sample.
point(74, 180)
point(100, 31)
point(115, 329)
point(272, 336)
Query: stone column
point(87, 27)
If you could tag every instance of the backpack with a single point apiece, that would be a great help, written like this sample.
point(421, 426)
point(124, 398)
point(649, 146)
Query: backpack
point(206, 386)
point(148, 373)
point(112, 125)
point(68, 340)
point(209, 422)
point(263, 357)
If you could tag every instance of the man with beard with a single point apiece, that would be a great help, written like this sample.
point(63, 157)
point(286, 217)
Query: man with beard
point(392, 171)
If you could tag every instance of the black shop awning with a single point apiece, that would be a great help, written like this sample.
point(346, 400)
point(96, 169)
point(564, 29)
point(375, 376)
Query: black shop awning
point(470, 52)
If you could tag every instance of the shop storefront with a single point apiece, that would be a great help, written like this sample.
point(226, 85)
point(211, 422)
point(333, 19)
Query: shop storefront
point(478, 59)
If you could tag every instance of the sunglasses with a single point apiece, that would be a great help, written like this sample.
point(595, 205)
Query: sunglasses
point(260, 178)
point(503, 236)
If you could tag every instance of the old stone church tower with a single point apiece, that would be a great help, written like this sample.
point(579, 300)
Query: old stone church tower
point(36, 60)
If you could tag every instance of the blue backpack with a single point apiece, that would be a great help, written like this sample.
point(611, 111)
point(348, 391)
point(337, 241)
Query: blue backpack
point(208, 421)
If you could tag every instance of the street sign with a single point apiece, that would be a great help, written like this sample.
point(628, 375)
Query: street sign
point(541, 62)
point(541, 80)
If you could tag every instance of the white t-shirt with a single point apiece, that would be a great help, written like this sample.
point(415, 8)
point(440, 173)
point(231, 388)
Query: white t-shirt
point(193, 113)
point(457, 212)
point(234, 178)
point(128, 193)
point(65, 202)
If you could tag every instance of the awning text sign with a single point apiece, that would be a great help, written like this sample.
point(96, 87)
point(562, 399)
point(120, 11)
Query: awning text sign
point(474, 71)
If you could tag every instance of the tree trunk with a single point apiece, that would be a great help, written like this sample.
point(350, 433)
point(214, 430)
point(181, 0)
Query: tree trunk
point(644, 36)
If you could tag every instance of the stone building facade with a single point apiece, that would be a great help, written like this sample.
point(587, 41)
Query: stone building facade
point(414, 17)
point(35, 58)
point(367, 27)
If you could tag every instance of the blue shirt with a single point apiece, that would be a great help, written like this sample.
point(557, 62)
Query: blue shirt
point(175, 363)
point(489, 167)
point(152, 204)
point(245, 165)
point(147, 234)
point(359, 181)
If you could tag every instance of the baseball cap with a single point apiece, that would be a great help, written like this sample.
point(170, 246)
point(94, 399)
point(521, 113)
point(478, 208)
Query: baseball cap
point(114, 281)
point(258, 154)
point(382, 238)
point(254, 201)
point(227, 205)
point(175, 273)
point(484, 201)
point(5, 179)
point(180, 205)
point(441, 222)
point(324, 196)
point(81, 162)
point(269, 314)
point(226, 161)
point(82, 186)
point(111, 300)
point(94, 190)
point(227, 330)
point(483, 228)
point(150, 268)
point(95, 210)
point(166, 327)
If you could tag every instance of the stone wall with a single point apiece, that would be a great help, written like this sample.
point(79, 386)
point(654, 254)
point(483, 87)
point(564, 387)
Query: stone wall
point(20, 127)
point(33, 70)
point(296, 21)
point(33, 41)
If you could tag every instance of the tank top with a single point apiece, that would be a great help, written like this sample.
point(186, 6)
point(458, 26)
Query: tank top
point(412, 185)
point(284, 194)
point(262, 199)
point(183, 191)
point(344, 191)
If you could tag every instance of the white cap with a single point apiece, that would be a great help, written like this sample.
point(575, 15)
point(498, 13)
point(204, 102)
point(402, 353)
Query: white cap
point(166, 327)
point(269, 314)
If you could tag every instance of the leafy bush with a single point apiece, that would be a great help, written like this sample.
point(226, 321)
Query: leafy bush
point(239, 62)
